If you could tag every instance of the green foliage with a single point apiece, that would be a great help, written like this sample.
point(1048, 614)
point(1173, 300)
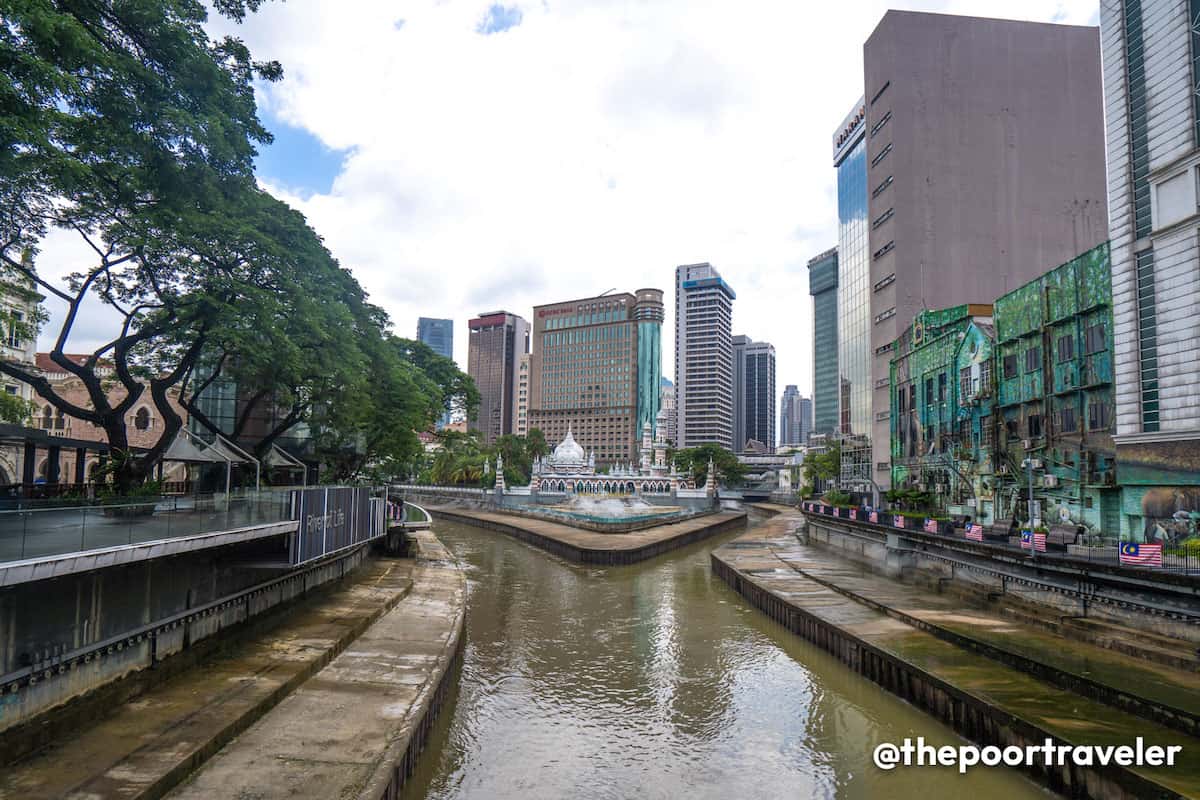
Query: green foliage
point(836, 497)
point(14, 409)
point(821, 467)
point(694, 460)
point(914, 500)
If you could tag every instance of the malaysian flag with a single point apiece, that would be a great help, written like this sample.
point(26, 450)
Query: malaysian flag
point(1037, 540)
point(898, 521)
point(854, 513)
point(975, 532)
point(1142, 555)
point(874, 517)
point(931, 526)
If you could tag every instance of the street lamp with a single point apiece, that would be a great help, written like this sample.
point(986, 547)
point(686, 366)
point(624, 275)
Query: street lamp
point(1028, 465)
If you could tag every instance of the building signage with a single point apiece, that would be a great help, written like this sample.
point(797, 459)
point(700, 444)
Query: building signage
point(330, 519)
point(850, 131)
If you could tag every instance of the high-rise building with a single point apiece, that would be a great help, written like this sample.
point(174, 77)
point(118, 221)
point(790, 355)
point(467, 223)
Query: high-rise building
point(757, 392)
point(1151, 73)
point(739, 391)
point(521, 399)
point(703, 357)
point(983, 152)
point(595, 363)
point(853, 382)
point(822, 285)
point(439, 335)
point(497, 340)
point(795, 417)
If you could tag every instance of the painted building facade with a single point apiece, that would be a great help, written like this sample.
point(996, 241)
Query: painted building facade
point(978, 390)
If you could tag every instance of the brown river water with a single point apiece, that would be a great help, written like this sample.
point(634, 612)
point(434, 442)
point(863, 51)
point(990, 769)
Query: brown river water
point(658, 681)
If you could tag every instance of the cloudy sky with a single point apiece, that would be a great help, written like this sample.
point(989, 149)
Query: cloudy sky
point(462, 156)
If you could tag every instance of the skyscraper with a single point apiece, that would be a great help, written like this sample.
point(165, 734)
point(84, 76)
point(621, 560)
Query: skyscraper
point(853, 383)
point(596, 370)
point(823, 285)
point(439, 335)
point(739, 391)
point(703, 357)
point(795, 417)
point(497, 340)
point(667, 401)
point(523, 394)
point(983, 162)
point(758, 394)
point(1151, 73)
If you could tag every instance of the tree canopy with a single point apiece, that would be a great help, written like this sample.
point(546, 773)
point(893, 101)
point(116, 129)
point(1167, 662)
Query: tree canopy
point(694, 460)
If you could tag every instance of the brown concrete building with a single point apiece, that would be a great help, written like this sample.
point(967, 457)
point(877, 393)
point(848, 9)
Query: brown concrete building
point(585, 370)
point(496, 341)
point(985, 167)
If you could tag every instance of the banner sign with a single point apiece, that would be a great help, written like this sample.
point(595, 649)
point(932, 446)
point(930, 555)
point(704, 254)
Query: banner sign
point(330, 519)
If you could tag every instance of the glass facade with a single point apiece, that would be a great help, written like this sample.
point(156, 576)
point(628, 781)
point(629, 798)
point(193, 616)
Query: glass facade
point(854, 290)
point(822, 285)
point(649, 372)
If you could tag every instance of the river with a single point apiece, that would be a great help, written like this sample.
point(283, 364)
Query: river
point(658, 681)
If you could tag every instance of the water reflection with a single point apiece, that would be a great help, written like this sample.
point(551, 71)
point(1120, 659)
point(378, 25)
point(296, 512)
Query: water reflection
point(656, 680)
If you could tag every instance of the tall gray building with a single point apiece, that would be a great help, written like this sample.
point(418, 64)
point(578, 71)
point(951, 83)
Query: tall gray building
point(1151, 75)
point(984, 149)
point(823, 285)
point(703, 357)
point(795, 417)
point(754, 393)
point(439, 335)
point(497, 341)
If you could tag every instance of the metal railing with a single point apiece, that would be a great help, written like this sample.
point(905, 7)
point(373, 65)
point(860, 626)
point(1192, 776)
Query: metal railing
point(40, 532)
point(1175, 558)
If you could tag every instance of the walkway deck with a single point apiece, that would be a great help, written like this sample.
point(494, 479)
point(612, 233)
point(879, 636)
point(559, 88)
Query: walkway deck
point(354, 728)
point(589, 547)
point(149, 744)
point(983, 699)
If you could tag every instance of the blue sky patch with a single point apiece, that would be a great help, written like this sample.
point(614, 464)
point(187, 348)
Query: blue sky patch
point(499, 18)
point(297, 160)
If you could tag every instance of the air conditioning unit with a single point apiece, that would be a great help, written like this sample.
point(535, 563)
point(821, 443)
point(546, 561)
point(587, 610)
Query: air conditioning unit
point(1026, 444)
point(1002, 469)
point(1050, 481)
point(1036, 463)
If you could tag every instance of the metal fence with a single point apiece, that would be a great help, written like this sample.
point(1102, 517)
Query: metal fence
point(1149, 556)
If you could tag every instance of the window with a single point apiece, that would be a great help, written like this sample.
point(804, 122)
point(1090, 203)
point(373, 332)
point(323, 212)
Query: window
point(1033, 359)
point(1097, 416)
point(882, 89)
point(1012, 426)
point(14, 334)
point(1094, 340)
point(882, 218)
point(941, 387)
point(964, 382)
point(885, 315)
point(10, 388)
point(1066, 348)
point(987, 434)
point(879, 125)
point(1010, 366)
point(141, 420)
point(1066, 420)
point(882, 154)
point(883, 282)
point(985, 377)
point(884, 184)
point(883, 251)
point(1033, 424)
point(929, 391)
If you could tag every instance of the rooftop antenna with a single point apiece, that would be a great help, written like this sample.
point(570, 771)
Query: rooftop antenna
point(606, 291)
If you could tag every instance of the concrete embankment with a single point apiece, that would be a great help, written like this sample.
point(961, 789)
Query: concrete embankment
point(983, 699)
point(588, 547)
point(355, 729)
point(140, 748)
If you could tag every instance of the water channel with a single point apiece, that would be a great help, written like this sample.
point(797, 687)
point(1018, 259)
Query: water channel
point(658, 681)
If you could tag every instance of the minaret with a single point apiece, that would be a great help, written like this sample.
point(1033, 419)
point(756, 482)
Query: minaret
point(710, 485)
point(646, 449)
point(500, 473)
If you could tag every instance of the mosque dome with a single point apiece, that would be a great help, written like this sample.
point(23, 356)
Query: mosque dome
point(568, 451)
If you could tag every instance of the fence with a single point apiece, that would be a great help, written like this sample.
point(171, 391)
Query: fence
point(1150, 556)
point(41, 532)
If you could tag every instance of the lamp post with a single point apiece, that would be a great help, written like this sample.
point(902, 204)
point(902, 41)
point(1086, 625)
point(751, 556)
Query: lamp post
point(1028, 464)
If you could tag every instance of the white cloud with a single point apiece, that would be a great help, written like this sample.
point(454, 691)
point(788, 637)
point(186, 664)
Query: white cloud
point(595, 145)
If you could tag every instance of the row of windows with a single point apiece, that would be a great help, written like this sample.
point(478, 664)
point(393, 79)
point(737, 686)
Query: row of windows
point(587, 335)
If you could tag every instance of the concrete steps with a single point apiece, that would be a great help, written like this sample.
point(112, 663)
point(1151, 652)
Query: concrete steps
point(147, 746)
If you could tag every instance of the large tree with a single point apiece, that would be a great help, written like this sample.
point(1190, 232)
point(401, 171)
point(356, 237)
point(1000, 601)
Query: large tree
point(123, 123)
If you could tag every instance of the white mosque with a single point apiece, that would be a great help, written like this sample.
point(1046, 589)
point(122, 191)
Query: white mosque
point(568, 470)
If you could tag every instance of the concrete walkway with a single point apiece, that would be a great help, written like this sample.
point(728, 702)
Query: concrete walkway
point(1175, 692)
point(986, 700)
point(590, 547)
point(353, 729)
point(149, 744)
